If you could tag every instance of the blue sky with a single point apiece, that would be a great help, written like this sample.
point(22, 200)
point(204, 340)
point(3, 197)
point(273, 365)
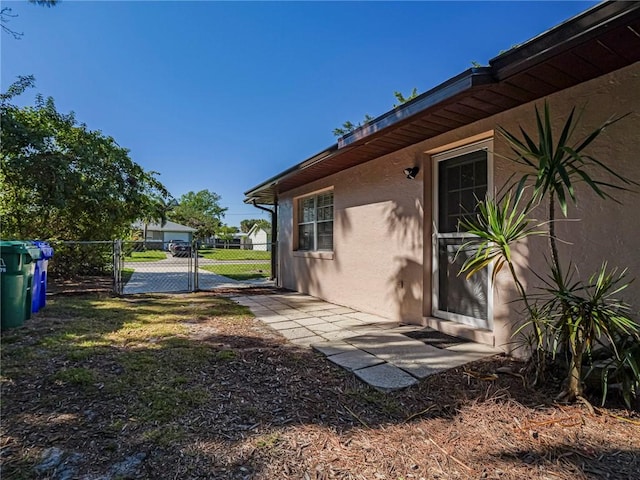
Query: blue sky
point(223, 95)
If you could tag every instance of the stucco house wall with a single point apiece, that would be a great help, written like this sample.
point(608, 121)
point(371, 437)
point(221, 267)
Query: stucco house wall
point(381, 261)
point(376, 262)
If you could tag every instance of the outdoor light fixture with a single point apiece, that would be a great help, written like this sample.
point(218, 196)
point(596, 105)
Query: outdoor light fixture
point(411, 172)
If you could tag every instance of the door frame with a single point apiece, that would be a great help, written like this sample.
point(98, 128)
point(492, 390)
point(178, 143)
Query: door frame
point(486, 145)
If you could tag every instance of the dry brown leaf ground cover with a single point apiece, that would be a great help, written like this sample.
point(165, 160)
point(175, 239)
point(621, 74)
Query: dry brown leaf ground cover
point(192, 386)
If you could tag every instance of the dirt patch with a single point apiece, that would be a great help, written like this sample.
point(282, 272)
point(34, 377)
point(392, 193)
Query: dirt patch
point(193, 386)
point(80, 285)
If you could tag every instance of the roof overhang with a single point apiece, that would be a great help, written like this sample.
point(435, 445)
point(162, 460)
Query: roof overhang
point(600, 40)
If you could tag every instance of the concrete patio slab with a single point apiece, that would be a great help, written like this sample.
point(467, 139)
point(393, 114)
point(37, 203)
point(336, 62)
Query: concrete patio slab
point(348, 323)
point(338, 335)
point(326, 327)
point(296, 316)
point(308, 341)
point(309, 321)
point(341, 310)
point(377, 350)
point(333, 348)
point(284, 325)
point(385, 377)
point(272, 319)
point(355, 360)
point(322, 313)
point(293, 333)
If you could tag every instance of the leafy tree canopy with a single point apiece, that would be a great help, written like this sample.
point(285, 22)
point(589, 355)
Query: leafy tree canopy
point(225, 232)
point(200, 210)
point(246, 225)
point(60, 180)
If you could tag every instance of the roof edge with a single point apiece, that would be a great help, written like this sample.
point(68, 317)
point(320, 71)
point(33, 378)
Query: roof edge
point(470, 78)
point(318, 157)
point(458, 84)
point(563, 36)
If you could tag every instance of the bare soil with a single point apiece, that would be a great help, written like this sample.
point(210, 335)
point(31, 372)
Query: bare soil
point(256, 407)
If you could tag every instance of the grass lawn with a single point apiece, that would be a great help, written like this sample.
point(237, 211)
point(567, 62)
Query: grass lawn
point(233, 254)
point(192, 386)
point(146, 256)
point(240, 271)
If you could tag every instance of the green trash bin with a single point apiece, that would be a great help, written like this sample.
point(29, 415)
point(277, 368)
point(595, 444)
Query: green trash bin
point(16, 272)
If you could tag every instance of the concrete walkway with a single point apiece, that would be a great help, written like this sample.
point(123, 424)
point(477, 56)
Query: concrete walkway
point(380, 352)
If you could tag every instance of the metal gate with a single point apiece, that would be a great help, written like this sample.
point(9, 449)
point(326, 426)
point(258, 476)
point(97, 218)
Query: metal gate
point(130, 267)
point(138, 269)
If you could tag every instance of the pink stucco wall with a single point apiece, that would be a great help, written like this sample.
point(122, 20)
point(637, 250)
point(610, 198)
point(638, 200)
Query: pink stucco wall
point(382, 229)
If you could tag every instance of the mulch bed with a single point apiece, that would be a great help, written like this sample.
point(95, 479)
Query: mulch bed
point(276, 411)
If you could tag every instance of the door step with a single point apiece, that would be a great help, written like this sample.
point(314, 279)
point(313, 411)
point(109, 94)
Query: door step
point(478, 335)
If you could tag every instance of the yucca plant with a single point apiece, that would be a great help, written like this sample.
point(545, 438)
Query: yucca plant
point(586, 314)
point(574, 315)
point(497, 226)
point(618, 366)
point(556, 167)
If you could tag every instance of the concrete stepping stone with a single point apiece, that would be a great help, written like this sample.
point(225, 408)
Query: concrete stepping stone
point(293, 333)
point(333, 348)
point(411, 355)
point(385, 377)
point(309, 321)
point(286, 325)
point(355, 360)
point(308, 341)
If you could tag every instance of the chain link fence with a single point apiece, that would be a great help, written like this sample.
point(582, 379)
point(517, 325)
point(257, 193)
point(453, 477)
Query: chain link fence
point(130, 267)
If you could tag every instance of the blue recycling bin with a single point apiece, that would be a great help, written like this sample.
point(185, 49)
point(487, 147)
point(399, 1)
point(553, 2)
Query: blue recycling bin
point(39, 282)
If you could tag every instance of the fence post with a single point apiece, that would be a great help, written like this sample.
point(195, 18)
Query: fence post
point(117, 267)
point(196, 278)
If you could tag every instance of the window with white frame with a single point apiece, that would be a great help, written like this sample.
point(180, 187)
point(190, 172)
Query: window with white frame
point(315, 222)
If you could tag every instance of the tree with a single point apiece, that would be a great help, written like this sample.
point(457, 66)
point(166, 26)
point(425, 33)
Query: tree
point(226, 232)
point(60, 180)
point(348, 126)
point(6, 14)
point(246, 225)
point(402, 99)
point(201, 211)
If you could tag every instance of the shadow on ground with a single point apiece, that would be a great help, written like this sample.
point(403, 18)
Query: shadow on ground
point(191, 386)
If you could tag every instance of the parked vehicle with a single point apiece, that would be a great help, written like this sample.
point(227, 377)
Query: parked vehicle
point(180, 248)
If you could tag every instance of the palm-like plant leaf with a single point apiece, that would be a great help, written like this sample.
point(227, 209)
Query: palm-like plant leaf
point(558, 166)
point(497, 226)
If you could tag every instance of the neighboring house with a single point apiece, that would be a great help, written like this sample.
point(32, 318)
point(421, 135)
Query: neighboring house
point(258, 238)
point(159, 236)
point(353, 229)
